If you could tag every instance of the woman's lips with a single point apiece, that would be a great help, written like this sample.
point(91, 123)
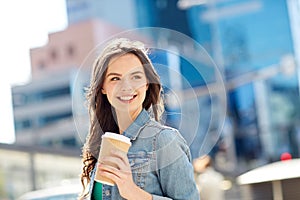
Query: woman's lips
point(127, 98)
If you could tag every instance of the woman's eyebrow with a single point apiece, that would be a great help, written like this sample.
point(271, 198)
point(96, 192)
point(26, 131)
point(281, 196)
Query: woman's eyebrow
point(117, 74)
point(137, 72)
point(113, 74)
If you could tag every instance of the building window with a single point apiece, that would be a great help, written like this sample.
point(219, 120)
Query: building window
point(23, 124)
point(70, 51)
point(58, 92)
point(162, 4)
point(19, 99)
point(41, 65)
point(54, 118)
point(53, 54)
point(69, 142)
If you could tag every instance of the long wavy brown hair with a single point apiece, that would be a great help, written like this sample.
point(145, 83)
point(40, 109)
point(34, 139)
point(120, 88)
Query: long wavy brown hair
point(101, 113)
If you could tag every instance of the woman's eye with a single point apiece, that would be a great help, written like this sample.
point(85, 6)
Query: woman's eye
point(136, 77)
point(115, 78)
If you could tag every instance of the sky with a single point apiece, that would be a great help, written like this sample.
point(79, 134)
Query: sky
point(25, 24)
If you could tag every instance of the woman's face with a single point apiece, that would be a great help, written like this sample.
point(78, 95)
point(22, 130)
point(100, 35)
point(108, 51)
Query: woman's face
point(125, 83)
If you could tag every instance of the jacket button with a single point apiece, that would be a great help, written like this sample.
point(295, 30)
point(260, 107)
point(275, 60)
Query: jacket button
point(107, 192)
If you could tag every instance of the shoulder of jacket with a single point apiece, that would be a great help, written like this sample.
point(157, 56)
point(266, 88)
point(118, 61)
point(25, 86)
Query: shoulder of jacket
point(154, 123)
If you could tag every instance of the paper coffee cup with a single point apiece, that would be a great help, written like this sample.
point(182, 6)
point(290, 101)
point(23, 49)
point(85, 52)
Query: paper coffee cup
point(111, 141)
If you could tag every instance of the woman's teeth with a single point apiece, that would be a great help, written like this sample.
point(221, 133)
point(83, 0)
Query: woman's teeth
point(126, 98)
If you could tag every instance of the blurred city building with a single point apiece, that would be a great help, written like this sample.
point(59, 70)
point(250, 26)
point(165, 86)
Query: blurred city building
point(118, 13)
point(244, 38)
point(29, 168)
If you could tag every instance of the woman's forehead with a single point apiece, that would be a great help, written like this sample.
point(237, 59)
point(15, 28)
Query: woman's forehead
point(126, 63)
point(122, 57)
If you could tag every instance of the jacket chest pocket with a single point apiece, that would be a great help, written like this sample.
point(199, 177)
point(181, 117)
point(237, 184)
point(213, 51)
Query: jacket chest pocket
point(140, 166)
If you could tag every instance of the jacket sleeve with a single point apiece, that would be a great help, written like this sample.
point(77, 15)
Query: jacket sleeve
point(174, 167)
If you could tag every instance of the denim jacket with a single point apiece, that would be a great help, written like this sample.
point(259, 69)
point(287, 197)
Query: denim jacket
point(160, 161)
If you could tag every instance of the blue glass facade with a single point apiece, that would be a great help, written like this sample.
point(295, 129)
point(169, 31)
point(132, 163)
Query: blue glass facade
point(253, 35)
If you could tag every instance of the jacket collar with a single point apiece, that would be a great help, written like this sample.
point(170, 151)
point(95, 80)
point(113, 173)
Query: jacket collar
point(133, 130)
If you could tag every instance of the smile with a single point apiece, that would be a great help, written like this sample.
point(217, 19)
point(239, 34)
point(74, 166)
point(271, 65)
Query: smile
point(127, 98)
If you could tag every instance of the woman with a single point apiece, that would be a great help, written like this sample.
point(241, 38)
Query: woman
point(124, 97)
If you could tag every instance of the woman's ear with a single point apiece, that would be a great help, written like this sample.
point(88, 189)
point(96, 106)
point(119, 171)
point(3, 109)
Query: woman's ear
point(103, 91)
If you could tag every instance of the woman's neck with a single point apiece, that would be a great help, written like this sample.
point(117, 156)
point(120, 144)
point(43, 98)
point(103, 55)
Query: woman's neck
point(125, 119)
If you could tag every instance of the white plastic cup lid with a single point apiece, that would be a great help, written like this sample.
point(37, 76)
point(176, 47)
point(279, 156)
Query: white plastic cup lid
point(117, 137)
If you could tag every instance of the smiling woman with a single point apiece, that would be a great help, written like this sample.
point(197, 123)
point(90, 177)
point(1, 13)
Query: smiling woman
point(125, 97)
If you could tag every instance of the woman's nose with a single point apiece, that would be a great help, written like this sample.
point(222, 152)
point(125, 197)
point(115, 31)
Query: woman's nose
point(126, 85)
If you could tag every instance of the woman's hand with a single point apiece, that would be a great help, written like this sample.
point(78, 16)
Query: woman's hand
point(121, 174)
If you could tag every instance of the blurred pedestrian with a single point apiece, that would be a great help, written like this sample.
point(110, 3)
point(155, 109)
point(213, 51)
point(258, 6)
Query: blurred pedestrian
point(209, 181)
point(124, 97)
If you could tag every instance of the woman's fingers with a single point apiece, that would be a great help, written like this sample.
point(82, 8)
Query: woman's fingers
point(117, 175)
point(110, 172)
point(118, 159)
point(113, 161)
point(108, 168)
